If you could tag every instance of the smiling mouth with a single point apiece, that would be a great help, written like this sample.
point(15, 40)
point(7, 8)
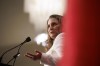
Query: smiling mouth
point(52, 32)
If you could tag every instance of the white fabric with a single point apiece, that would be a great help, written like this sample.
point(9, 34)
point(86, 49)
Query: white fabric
point(54, 54)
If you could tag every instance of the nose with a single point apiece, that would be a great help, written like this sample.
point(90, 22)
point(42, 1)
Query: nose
point(51, 27)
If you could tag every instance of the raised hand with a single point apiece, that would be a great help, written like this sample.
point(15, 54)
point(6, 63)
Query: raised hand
point(35, 56)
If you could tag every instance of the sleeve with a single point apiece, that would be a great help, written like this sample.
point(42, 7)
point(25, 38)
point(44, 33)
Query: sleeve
point(47, 59)
point(59, 43)
point(51, 59)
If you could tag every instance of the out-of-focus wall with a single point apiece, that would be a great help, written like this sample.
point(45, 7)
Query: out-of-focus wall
point(14, 28)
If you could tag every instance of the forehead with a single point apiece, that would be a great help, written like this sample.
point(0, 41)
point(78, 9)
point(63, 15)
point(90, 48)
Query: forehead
point(52, 20)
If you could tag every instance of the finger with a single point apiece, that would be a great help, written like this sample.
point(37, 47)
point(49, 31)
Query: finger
point(31, 57)
point(37, 51)
point(30, 54)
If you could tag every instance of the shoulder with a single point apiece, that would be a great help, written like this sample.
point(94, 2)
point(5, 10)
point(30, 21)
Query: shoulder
point(59, 35)
point(59, 39)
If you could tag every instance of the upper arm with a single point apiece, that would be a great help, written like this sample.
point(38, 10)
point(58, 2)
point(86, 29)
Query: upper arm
point(55, 52)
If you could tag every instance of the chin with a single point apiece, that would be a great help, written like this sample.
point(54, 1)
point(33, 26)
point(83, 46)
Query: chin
point(53, 37)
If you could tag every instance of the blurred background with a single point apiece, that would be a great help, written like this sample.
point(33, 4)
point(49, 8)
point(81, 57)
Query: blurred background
point(20, 19)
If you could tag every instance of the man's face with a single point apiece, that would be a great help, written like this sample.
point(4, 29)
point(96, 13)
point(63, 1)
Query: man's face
point(54, 27)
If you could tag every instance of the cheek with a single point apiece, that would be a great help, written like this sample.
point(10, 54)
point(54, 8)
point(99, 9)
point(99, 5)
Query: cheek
point(57, 28)
point(48, 30)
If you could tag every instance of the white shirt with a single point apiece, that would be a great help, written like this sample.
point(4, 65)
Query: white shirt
point(55, 52)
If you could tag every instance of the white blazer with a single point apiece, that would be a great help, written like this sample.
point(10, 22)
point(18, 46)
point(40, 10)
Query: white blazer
point(55, 52)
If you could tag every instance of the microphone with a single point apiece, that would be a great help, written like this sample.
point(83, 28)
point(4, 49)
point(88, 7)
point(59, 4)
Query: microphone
point(28, 39)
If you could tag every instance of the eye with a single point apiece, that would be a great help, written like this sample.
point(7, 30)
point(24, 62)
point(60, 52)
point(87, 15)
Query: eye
point(53, 24)
point(48, 26)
